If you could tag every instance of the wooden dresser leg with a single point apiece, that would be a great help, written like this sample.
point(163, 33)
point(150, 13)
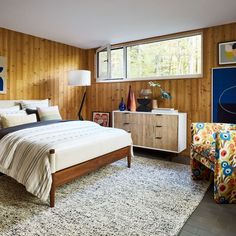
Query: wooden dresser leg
point(52, 193)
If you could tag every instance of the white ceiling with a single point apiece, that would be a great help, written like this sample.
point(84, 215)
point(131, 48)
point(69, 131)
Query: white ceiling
point(92, 23)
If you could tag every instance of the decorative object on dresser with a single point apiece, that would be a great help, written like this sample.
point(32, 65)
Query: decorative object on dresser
point(102, 118)
point(3, 74)
point(144, 101)
point(164, 94)
point(122, 106)
point(164, 110)
point(80, 78)
point(166, 132)
point(133, 102)
point(227, 53)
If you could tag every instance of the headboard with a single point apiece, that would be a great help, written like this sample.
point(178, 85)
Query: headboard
point(10, 103)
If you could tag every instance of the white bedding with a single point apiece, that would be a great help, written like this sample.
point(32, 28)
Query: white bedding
point(74, 142)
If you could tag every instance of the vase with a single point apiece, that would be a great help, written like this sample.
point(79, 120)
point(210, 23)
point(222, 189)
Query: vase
point(129, 98)
point(133, 102)
point(154, 104)
point(122, 106)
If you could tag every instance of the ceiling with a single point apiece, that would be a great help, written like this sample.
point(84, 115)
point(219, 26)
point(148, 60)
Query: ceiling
point(93, 23)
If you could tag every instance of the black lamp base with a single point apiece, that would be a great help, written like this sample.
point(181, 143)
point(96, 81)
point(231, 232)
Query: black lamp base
point(144, 104)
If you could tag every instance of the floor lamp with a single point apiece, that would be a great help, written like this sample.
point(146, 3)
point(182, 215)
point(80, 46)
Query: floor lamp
point(80, 78)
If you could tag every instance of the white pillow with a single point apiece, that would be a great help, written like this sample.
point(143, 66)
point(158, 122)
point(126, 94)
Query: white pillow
point(13, 108)
point(34, 104)
point(4, 112)
point(13, 120)
point(49, 113)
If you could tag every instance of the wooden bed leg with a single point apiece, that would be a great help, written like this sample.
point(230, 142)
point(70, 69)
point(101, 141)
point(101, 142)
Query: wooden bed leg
point(52, 192)
point(129, 159)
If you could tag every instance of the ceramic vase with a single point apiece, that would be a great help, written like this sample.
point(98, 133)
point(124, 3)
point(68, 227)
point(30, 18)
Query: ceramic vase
point(129, 98)
point(122, 106)
point(133, 105)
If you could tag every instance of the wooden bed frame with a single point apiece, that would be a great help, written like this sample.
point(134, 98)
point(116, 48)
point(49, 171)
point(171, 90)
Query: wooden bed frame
point(66, 175)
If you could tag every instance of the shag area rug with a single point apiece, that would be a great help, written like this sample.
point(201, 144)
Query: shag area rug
point(152, 198)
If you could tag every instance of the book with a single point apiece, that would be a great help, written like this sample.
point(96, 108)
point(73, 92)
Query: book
point(164, 110)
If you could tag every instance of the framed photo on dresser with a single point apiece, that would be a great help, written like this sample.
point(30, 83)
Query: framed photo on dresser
point(102, 118)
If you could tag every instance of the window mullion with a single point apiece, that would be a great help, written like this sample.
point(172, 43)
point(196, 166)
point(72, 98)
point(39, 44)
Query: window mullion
point(125, 62)
point(109, 61)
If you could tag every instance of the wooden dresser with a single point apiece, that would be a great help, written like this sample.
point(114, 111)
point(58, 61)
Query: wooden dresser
point(166, 132)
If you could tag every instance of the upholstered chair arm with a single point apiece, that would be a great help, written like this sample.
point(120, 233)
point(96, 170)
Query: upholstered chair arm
point(205, 133)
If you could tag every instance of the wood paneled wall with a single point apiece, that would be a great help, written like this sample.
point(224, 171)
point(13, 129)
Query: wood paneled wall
point(189, 95)
point(37, 69)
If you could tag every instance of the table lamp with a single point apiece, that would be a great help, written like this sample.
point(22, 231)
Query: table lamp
point(80, 78)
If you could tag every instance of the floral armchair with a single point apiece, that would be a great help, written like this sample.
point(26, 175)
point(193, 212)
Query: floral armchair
point(213, 148)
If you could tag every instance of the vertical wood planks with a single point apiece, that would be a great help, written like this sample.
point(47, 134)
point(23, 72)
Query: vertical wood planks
point(37, 69)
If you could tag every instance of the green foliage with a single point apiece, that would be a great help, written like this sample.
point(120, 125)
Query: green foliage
point(164, 94)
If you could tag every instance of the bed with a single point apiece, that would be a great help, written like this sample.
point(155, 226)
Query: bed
point(45, 155)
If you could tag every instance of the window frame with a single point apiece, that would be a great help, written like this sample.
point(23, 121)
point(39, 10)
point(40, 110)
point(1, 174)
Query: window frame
point(147, 41)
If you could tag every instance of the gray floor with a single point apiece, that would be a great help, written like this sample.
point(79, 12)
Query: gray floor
point(209, 219)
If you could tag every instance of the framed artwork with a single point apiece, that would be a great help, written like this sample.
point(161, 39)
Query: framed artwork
point(227, 53)
point(102, 118)
point(224, 94)
point(3, 74)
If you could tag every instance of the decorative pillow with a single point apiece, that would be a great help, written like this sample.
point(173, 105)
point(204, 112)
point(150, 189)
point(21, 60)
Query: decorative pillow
point(10, 111)
point(34, 104)
point(13, 108)
point(49, 113)
point(13, 120)
point(33, 111)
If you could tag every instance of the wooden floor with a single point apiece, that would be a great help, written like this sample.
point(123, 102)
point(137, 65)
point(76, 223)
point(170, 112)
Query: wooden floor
point(209, 219)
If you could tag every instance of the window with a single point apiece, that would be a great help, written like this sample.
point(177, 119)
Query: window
point(102, 63)
point(170, 58)
point(117, 63)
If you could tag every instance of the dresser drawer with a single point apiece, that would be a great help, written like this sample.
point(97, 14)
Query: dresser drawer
point(166, 137)
point(161, 120)
point(137, 135)
point(128, 118)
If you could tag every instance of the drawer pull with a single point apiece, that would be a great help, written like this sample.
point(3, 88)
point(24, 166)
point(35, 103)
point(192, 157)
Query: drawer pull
point(158, 126)
point(126, 123)
point(158, 114)
point(158, 137)
point(126, 113)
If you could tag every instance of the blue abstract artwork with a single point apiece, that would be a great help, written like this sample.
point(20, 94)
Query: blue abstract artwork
point(2, 74)
point(224, 95)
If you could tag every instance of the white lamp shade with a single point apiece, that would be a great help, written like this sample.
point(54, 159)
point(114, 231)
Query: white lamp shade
point(79, 78)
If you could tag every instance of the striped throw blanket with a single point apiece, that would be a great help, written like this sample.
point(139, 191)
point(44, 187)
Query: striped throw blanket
point(25, 152)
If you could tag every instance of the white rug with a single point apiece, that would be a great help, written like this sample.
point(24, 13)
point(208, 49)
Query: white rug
point(152, 198)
